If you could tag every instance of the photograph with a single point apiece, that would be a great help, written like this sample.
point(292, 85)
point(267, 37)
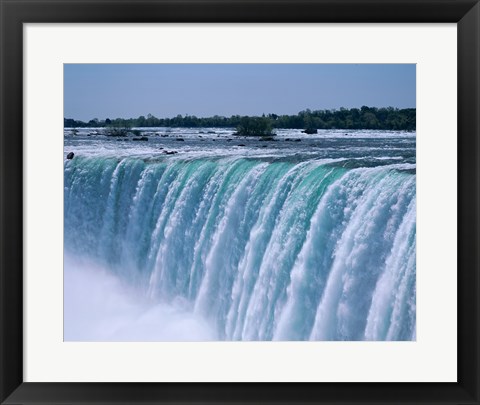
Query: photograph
point(239, 202)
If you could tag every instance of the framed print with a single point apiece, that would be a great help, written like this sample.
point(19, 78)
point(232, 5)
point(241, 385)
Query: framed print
point(236, 214)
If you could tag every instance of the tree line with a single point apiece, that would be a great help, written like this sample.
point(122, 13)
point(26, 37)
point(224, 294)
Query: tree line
point(354, 118)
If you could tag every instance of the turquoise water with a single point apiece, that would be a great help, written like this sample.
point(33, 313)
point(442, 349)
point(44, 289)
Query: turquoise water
point(283, 240)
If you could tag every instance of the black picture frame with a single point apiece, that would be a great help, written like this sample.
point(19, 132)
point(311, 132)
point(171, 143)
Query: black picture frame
point(14, 13)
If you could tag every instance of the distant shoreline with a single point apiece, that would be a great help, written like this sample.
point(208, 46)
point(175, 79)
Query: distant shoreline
point(370, 118)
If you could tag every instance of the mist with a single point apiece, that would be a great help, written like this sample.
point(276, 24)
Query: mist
point(98, 306)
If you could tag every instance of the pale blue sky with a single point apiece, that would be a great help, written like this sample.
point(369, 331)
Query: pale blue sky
point(165, 90)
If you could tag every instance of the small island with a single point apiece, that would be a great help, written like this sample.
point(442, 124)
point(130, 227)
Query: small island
point(255, 126)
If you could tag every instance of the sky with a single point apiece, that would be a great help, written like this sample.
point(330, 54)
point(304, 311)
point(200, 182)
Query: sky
point(166, 90)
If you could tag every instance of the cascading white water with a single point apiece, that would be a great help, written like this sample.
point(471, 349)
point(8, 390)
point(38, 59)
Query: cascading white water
point(262, 248)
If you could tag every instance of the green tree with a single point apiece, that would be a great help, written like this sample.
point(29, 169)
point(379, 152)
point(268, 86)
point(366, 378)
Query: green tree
point(255, 126)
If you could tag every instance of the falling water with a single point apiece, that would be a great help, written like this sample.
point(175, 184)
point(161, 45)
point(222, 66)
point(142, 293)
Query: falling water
point(261, 247)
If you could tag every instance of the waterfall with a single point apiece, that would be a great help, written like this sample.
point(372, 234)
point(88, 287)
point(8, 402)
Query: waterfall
point(261, 248)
